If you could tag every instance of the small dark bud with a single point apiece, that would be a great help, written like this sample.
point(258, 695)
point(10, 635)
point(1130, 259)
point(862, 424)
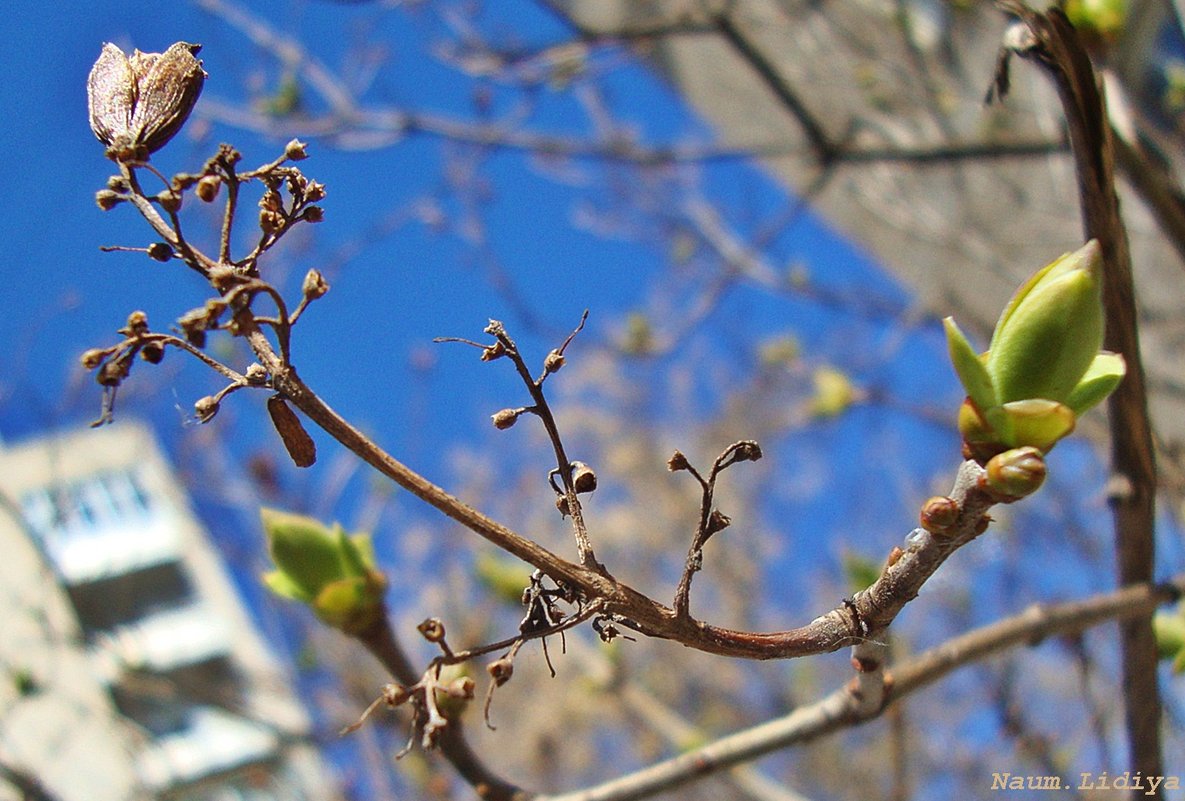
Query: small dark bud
point(505, 418)
point(938, 514)
point(112, 373)
point(137, 324)
point(205, 408)
point(152, 352)
point(256, 373)
point(196, 337)
point(718, 521)
point(313, 214)
point(107, 199)
point(561, 503)
point(583, 478)
point(295, 150)
point(138, 103)
point(207, 188)
point(500, 670)
point(160, 251)
point(432, 629)
point(747, 451)
point(169, 201)
point(553, 362)
point(314, 285)
point(495, 351)
point(677, 462)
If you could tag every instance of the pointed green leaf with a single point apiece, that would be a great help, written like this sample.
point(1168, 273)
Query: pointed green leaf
point(1101, 379)
point(281, 585)
point(303, 549)
point(1051, 331)
point(973, 375)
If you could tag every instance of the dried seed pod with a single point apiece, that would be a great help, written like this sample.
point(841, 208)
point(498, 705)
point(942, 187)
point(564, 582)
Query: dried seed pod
point(505, 418)
point(138, 103)
point(583, 478)
point(432, 629)
point(314, 284)
point(152, 352)
point(207, 188)
point(296, 150)
point(93, 358)
point(205, 408)
point(553, 362)
point(500, 670)
point(160, 251)
point(300, 445)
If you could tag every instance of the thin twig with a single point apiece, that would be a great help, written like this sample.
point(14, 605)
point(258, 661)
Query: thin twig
point(542, 410)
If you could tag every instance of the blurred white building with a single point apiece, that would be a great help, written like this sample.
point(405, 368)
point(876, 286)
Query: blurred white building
point(129, 668)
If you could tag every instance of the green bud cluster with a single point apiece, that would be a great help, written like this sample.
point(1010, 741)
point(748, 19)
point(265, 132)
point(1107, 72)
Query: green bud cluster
point(1044, 366)
point(331, 572)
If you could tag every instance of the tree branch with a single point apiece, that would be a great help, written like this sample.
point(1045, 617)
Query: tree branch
point(1058, 51)
point(841, 709)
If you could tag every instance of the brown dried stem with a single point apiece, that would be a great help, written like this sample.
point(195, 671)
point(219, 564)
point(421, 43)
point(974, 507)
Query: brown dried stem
point(1057, 49)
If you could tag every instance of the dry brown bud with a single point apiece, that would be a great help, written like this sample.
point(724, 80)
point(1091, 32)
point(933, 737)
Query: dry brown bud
point(112, 373)
point(93, 358)
point(718, 521)
point(505, 418)
point(137, 324)
point(553, 362)
point(207, 188)
point(107, 199)
point(270, 221)
point(583, 478)
point(461, 688)
point(205, 408)
point(152, 352)
point(313, 214)
point(677, 462)
point(160, 251)
point(314, 191)
point(138, 103)
point(395, 694)
point(495, 351)
point(256, 373)
point(500, 670)
point(747, 451)
point(295, 150)
point(432, 629)
point(314, 285)
point(169, 200)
